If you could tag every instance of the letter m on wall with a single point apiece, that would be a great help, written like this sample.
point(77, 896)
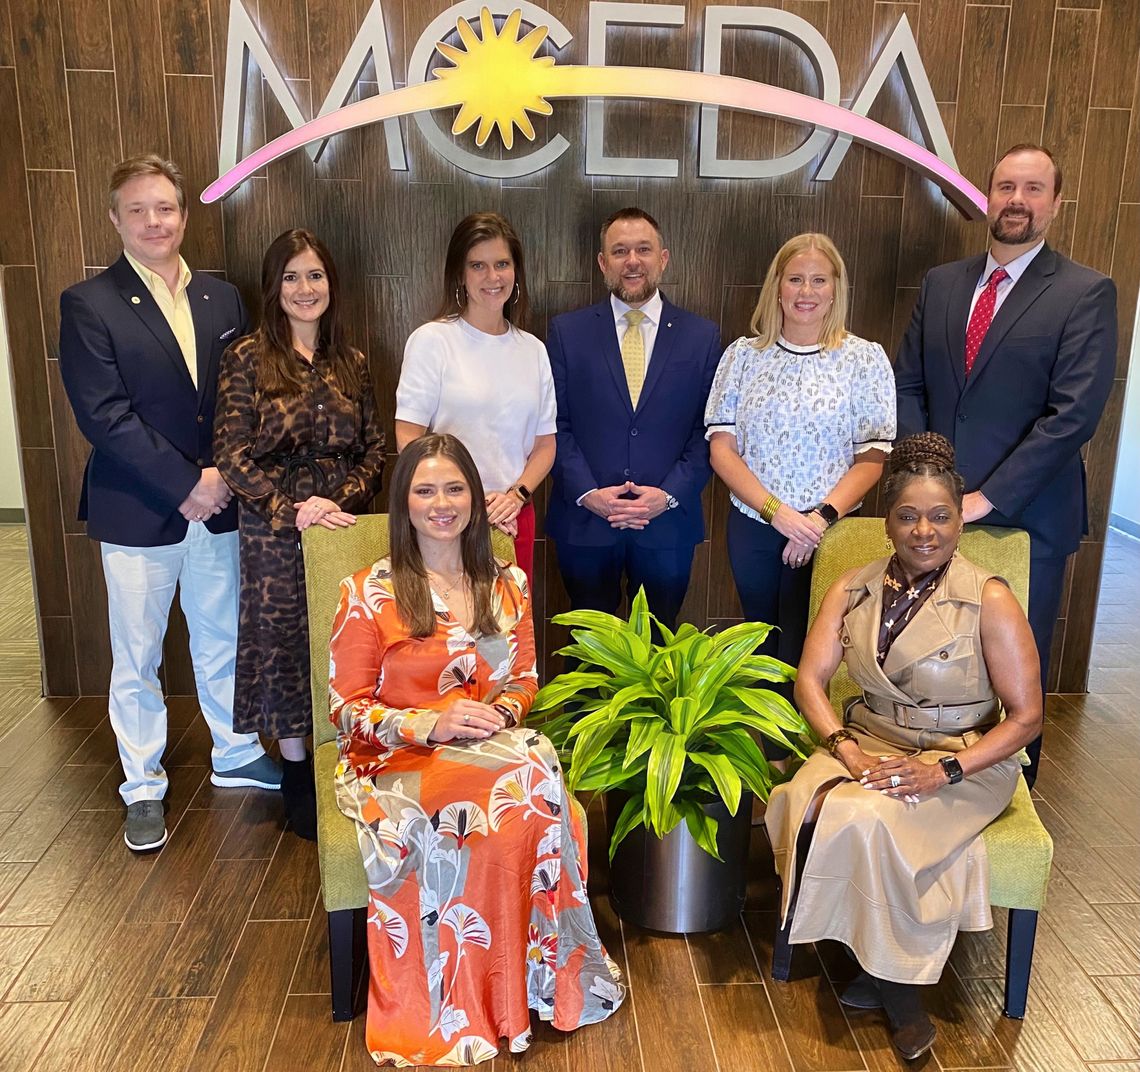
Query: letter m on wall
point(243, 40)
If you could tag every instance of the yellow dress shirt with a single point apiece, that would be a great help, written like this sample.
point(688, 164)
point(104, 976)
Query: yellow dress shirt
point(175, 307)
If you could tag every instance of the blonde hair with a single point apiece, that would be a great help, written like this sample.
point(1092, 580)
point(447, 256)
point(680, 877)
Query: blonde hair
point(767, 318)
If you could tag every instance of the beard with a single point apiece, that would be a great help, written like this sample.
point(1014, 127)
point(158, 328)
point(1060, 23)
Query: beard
point(1016, 230)
point(632, 297)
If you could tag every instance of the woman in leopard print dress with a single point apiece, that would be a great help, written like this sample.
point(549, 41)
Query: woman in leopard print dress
point(297, 436)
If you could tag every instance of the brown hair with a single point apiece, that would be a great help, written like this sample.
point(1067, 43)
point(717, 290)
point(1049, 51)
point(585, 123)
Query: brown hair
point(469, 232)
point(278, 370)
point(631, 213)
point(1028, 147)
point(409, 575)
point(150, 164)
point(767, 320)
point(924, 455)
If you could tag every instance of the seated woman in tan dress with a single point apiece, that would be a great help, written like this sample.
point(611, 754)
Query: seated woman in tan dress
point(886, 816)
point(474, 851)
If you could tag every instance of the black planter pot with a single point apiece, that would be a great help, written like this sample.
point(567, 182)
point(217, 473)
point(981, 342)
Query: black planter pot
point(671, 884)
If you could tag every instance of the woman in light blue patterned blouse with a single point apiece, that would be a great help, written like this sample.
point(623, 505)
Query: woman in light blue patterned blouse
point(800, 420)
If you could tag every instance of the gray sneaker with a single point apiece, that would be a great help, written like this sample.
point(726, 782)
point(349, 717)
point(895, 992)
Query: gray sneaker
point(263, 773)
point(146, 826)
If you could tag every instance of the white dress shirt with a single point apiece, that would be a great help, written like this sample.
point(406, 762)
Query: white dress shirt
point(651, 309)
point(1015, 268)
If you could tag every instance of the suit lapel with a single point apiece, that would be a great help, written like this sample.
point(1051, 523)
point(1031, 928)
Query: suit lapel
point(138, 299)
point(662, 350)
point(611, 352)
point(958, 314)
point(1035, 280)
point(205, 330)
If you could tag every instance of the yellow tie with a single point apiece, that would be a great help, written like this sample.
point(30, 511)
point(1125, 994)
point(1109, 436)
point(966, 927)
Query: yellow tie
point(633, 354)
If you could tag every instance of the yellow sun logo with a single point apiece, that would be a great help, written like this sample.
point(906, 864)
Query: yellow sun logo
point(502, 78)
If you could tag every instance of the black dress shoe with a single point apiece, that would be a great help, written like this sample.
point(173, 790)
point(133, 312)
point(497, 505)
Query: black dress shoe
point(862, 993)
point(913, 1039)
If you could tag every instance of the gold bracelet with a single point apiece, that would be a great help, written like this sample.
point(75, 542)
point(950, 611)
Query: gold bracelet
point(768, 510)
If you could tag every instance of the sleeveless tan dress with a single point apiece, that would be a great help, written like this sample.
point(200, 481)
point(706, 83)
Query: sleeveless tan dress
point(895, 882)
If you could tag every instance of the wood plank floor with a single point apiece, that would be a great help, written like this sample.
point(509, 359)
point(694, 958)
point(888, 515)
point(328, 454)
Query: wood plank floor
point(211, 955)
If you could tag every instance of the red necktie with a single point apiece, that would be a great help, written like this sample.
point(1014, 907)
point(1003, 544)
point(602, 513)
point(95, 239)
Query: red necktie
point(982, 316)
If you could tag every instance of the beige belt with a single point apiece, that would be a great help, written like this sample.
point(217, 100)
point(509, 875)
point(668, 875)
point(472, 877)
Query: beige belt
point(941, 717)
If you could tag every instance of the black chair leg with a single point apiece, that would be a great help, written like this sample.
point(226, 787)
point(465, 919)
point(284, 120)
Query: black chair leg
point(782, 948)
point(1020, 935)
point(345, 932)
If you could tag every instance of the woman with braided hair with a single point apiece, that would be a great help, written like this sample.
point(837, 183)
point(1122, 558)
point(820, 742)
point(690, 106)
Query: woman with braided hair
point(885, 817)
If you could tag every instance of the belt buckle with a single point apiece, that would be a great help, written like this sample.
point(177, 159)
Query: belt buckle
point(900, 712)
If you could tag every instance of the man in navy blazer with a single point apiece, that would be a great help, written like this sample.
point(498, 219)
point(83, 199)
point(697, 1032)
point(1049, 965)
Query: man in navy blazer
point(139, 350)
point(632, 458)
point(1037, 384)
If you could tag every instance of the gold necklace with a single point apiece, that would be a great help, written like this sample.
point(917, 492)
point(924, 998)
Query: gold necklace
point(445, 592)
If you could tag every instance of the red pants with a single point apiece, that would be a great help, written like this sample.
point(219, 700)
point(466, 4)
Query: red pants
point(524, 545)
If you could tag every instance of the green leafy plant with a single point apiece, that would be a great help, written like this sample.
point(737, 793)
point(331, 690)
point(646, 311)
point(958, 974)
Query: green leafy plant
point(670, 724)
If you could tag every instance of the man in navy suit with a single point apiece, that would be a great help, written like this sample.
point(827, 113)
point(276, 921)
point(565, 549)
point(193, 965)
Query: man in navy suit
point(1011, 356)
point(631, 374)
point(139, 350)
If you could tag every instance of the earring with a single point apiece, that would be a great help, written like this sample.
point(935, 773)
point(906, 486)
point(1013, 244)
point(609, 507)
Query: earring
point(518, 293)
point(457, 299)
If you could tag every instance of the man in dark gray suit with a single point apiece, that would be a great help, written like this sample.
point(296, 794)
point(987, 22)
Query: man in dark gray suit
point(1011, 356)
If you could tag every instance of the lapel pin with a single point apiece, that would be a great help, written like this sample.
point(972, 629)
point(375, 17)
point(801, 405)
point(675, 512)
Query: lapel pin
point(135, 299)
point(669, 325)
point(205, 297)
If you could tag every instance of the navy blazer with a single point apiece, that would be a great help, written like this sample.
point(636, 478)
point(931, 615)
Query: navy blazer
point(150, 430)
point(603, 441)
point(1035, 394)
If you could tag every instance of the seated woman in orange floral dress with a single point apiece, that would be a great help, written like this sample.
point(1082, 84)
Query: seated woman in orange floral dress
point(475, 853)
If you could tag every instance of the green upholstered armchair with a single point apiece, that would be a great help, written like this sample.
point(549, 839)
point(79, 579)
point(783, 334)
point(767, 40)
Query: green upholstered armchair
point(330, 556)
point(1019, 848)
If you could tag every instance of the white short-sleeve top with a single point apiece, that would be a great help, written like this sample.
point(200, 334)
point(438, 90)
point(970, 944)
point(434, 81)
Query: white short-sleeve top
point(494, 392)
point(800, 415)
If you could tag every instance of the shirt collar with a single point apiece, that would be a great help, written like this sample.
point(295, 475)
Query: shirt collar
point(651, 309)
point(153, 280)
point(1014, 269)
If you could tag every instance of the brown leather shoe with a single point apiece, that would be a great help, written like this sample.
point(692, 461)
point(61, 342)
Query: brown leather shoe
point(913, 1039)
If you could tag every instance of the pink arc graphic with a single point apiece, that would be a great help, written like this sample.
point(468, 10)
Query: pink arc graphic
point(696, 87)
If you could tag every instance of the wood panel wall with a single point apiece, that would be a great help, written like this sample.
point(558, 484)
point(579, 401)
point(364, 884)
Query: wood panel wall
point(86, 82)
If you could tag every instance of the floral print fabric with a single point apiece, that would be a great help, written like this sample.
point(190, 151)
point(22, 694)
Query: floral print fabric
point(475, 853)
point(800, 415)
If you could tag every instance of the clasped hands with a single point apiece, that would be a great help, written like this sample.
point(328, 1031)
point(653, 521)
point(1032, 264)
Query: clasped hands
point(628, 505)
point(803, 531)
point(466, 719)
point(503, 511)
point(916, 779)
point(210, 496)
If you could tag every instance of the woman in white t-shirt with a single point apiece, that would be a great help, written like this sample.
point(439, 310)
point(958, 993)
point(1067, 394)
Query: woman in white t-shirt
point(476, 373)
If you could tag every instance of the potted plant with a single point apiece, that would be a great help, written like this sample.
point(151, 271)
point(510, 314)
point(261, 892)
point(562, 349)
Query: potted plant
point(666, 729)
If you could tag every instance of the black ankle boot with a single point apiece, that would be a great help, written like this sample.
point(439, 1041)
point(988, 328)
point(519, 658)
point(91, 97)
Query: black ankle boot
point(299, 794)
point(911, 1030)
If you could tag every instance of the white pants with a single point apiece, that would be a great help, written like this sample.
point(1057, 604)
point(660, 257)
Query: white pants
point(140, 588)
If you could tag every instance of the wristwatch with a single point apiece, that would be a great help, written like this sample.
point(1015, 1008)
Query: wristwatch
point(522, 491)
point(828, 513)
point(952, 768)
point(670, 502)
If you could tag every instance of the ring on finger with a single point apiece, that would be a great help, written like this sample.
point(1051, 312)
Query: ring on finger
point(896, 781)
point(466, 718)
